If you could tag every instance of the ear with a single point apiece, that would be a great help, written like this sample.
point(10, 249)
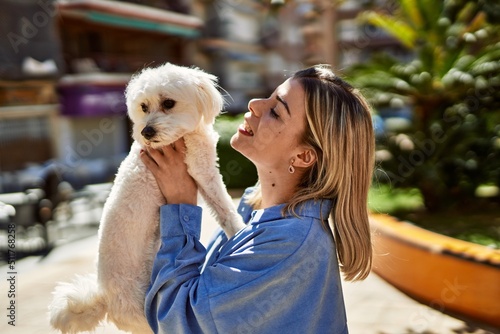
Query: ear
point(305, 159)
point(136, 86)
point(133, 88)
point(210, 101)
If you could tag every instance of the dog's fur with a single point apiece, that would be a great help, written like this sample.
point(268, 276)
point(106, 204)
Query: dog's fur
point(164, 104)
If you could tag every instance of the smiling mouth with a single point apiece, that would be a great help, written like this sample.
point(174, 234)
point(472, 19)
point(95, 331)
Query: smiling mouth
point(245, 129)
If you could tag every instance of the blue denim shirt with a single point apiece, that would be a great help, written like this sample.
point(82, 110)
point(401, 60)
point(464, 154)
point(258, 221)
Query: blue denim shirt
point(279, 274)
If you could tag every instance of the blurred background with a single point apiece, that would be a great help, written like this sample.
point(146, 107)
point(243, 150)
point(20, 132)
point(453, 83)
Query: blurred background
point(431, 70)
point(64, 66)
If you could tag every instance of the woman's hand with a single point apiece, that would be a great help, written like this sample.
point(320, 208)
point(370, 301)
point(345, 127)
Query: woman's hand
point(170, 171)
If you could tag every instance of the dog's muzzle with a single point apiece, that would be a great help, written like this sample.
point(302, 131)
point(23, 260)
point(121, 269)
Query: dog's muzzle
point(148, 132)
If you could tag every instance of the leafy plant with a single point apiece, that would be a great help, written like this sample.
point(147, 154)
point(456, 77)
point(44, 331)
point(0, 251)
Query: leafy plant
point(237, 171)
point(453, 87)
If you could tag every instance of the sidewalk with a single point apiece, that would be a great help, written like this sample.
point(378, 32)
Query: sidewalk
point(373, 306)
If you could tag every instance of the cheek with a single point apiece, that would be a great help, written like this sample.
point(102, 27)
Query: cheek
point(265, 137)
point(136, 115)
point(273, 133)
point(136, 132)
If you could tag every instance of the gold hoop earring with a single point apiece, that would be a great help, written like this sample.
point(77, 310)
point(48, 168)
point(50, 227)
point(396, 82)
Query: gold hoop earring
point(291, 169)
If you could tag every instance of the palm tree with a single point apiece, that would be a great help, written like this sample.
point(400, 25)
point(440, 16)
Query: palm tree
point(453, 86)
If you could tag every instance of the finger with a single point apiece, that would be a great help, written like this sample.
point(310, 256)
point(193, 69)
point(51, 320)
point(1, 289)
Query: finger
point(156, 154)
point(180, 146)
point(148, 160)
point(162, 156)
point(159, 150)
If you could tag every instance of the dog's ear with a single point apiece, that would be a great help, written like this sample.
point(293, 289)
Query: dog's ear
point(210, 101)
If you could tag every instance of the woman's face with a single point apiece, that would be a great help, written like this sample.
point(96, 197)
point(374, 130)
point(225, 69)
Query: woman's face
point(273, 127)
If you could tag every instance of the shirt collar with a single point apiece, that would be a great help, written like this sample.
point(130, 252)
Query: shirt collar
point(319, 209)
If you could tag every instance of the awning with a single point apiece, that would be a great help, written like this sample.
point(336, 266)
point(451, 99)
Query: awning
point(131, 16)
point(234, 50)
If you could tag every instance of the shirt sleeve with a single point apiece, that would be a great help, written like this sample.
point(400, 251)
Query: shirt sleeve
point(171, 299)
point(258, 283)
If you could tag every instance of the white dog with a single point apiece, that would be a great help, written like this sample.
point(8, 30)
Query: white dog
point(165, 104)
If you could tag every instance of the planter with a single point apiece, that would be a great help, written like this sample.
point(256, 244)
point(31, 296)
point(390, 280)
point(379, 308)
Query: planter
point(448, 274)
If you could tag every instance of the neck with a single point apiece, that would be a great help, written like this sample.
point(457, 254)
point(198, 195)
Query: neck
point(277, 187)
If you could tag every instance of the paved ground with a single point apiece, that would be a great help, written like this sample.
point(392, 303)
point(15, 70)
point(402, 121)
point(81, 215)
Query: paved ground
point(373, 306)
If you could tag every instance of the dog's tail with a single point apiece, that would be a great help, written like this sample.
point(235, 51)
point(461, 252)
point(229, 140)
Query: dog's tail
point(77, 306)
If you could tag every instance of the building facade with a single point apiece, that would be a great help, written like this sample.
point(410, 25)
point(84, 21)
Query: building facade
point(65, 64)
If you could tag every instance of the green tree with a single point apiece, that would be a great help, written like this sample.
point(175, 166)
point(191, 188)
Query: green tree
point(453, 86)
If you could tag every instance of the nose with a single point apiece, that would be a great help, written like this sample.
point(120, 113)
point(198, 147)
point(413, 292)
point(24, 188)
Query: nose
point(255, 107)
point(148, 132)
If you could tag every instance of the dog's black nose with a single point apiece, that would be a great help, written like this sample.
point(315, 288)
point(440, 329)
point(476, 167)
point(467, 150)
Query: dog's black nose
point(148, 132)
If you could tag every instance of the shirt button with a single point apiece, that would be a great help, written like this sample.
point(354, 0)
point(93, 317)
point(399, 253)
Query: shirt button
point(186, 218)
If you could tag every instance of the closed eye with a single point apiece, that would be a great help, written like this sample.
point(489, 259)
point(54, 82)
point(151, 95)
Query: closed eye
point(274, 114)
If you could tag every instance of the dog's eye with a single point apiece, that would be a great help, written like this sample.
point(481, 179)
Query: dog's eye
point(144, 107)
point(168, 104)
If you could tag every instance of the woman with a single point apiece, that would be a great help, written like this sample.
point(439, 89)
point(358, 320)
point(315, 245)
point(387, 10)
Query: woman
point(312, 144)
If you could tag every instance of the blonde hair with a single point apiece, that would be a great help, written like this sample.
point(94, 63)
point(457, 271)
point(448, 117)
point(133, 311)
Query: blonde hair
point(340, 131)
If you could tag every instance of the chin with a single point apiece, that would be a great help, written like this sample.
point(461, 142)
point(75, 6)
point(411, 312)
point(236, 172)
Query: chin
point(237, 145)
